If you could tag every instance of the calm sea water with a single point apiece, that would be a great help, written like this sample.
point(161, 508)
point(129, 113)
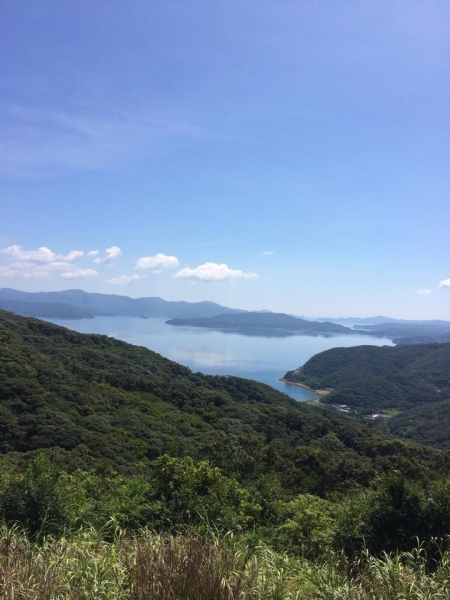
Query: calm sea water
point(263, 358)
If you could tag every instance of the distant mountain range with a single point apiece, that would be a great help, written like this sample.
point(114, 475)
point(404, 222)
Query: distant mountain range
point(47, 311)
point(77, 304)
point(64, 305)
point(350, 321)
point(261, 321)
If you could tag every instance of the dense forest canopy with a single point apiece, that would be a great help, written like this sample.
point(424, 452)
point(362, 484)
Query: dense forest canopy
point(410, 384)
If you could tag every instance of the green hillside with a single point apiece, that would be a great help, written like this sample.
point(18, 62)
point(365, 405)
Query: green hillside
point(91, 399)
point(410, 383)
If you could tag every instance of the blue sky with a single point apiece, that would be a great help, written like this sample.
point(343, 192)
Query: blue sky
point(291, 155)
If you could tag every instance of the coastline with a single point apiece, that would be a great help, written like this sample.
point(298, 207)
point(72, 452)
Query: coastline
point(318, 392)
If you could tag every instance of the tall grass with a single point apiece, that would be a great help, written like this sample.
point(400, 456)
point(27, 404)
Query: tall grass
point(149, 566)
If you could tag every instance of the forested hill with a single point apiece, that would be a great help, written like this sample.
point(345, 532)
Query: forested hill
point(263, 321)
point(91, 399)
point(410, 383)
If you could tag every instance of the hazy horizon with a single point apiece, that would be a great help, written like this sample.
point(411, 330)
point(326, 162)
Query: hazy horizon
point(314, 316)
point(291, 157)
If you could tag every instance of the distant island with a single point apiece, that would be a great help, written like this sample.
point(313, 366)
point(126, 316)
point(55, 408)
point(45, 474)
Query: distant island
point(409, 332)
point(256, 321)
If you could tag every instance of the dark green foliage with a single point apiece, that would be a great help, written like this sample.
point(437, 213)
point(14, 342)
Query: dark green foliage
point(397, 514)
point(428, 424)
point(41, 499)
point(309, 526)
point(414, 380)
point(177, 492)
point(189, 492)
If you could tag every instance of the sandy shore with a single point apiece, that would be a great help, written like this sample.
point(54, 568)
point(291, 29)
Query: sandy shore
point(318, 392)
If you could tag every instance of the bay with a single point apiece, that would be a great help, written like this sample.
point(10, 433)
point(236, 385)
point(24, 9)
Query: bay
point(263, 358)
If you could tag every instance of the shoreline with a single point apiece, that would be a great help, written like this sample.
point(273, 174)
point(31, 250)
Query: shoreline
point(318, 392)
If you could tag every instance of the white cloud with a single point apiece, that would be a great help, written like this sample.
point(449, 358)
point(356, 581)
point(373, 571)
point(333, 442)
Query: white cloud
point(73, 255)
point(27, 269)
point(124, 279)
point(211, 272)
point(268, 252)
point(92, 253)
point(112, 255)
point(33, 273)
point(41, 255)
point(423, 292)
point(155, 264)
point(79, 274)
point(445, 284)
point(36, 264)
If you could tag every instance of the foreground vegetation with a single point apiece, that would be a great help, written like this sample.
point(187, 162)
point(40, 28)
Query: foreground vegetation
point(390, 517)
point(187, 532)
point(190, 566)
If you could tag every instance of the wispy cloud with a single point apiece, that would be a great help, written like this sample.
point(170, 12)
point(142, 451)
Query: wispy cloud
point(8, 272)
point(268, 252)
point(155, 264)
point(212, 272)
point(37, 142)
point(112, 254)
point(445, 284)
point(423, 292)
point(34, 273)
